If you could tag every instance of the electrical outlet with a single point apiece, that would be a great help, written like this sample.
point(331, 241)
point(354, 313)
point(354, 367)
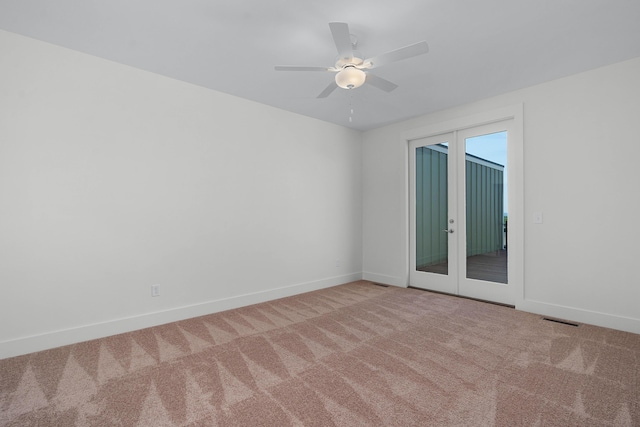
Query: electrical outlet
point(155, 290)
point(537, 218)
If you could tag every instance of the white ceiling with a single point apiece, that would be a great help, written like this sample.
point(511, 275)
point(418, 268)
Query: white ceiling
point(478, 48)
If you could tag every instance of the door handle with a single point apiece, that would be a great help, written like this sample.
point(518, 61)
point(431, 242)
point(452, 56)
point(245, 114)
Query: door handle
point(448, 231)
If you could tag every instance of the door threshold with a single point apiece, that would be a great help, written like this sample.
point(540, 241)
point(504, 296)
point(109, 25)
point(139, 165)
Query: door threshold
point(465, 297)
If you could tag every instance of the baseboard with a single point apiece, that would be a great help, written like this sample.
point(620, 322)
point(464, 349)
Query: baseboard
point(605, 320)
point(384, 279)
point(59, 338)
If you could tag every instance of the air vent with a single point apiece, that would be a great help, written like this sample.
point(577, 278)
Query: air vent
point(564, 322)
point(380, 284)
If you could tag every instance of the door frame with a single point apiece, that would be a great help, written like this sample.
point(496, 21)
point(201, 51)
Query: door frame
point(515, 159)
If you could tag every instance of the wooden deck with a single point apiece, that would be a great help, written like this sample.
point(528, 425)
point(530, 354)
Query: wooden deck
point(491, 267)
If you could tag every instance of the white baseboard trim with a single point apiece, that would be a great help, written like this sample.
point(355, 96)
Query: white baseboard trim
point(605, 320)
point(384, 279)
point(59, 338)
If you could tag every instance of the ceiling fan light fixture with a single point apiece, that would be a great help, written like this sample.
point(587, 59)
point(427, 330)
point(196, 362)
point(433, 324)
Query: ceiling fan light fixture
point(350, 77)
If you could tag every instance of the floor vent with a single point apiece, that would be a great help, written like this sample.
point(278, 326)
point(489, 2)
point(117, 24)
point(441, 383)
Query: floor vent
point(564, 322)
point(380, 284)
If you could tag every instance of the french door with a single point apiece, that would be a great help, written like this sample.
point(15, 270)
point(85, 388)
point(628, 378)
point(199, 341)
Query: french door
point(459, 212)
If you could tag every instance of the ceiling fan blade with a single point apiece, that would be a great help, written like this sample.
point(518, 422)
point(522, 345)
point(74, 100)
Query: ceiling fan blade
point(332, 86)
point(397, 55)
point(342, 39)
point(380, 83)
point(296, 68)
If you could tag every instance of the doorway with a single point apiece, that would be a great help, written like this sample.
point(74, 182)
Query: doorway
point(459, 212)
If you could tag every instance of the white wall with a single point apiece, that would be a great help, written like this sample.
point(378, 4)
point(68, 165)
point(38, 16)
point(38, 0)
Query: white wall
point(581, 157)
point(113, 179)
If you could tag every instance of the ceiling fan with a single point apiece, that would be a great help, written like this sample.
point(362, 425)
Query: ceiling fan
point(351, 68)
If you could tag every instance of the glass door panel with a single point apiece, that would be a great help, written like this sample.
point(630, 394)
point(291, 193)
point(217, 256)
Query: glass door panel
point(432, 243)
point(432, 214)
point(486, 207)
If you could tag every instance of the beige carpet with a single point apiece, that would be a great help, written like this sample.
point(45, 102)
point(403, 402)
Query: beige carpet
point(352, 355)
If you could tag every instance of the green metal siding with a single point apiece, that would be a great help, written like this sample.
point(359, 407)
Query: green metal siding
point(431, 206)
point(484, 206)
point(484, 200)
